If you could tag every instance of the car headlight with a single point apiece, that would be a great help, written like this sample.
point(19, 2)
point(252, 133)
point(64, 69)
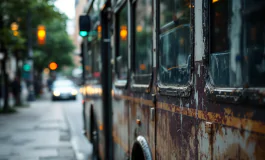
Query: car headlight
point(74, 92)
point(56, 93)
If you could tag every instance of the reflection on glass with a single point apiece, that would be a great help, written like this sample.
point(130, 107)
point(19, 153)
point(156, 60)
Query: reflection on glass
point(122, 55)
point(175, 55)
point(237, 43)
point(220, 43)
point(254, 39)
point(96, 60)
point(177, 11)
point(143, 41)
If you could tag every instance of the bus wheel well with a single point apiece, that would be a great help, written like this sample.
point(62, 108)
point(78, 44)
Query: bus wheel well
point(140, 150)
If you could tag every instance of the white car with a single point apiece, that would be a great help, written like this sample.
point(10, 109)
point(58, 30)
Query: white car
point(64, 89)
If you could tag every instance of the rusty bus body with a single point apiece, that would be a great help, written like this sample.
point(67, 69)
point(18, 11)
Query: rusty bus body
point(185, 79)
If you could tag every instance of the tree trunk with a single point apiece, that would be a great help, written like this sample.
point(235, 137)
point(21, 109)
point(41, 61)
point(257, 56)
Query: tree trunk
point(18, 75)
point(6, 85)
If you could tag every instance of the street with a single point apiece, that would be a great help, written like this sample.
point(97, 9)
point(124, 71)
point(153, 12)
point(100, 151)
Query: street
point(45, 130)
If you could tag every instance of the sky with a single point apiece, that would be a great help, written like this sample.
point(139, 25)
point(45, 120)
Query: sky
point(67, 7)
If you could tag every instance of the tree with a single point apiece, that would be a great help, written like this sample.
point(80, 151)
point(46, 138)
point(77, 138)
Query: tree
point(40, 12)
point(57, 48)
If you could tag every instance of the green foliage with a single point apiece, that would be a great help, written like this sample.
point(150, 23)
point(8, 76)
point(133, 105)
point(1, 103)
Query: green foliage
point(58, 44)
point(57, 48)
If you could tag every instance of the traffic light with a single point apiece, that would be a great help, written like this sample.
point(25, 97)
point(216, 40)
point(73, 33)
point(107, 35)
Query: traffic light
point(26, 67)
point(14, 27)
point(41, 34)
point(53, 66)
point(84, 25)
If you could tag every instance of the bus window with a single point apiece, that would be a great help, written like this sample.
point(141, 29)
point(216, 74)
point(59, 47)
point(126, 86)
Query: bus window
point(122, 48)
point(237, 43)
point(143, 41)
point(175, 53)
point(254, 43)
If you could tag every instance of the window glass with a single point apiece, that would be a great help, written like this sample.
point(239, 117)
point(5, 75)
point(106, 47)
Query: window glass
point(177, 11)
point(254, 41)
point(122, 53)
point(143, 41)
point(237, 43)
point(96, 59)
point(175, 54)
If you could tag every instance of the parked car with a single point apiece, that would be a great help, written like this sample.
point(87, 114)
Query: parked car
point(64, 89)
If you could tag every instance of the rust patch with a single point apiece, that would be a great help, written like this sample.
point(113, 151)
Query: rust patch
point(226, 118)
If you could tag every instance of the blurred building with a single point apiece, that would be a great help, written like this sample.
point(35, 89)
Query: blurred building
point(79, 9)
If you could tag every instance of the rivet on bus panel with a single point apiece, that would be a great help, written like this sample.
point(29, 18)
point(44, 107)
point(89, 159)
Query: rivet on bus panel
point(138, 121)
point(208, 127)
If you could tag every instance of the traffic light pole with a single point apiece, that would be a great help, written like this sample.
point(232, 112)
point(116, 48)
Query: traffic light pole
point(31, 93)
point(84, 57)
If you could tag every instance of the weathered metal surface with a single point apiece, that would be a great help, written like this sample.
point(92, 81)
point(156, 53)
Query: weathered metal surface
point(196, 121)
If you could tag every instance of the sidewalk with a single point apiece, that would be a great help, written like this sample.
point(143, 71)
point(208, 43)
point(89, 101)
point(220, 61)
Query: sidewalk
point(38, 132)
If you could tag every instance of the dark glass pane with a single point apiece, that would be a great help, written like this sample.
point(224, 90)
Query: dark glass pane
point(174, 11)
point(254, 39)
point(220, 43)
point(237, 43)
point(143, 41)
point(122, 55)
point(175, 54)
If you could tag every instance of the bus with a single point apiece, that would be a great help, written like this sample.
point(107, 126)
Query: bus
point(175, 79)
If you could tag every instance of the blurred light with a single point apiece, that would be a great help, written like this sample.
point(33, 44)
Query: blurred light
point(213, 1)
point(14, 26)
point(142, 67)
point(41, 34)
point(56, 93)
point(99, 28)
point(123, 32)
point(89, 38)
point(88, 68)
point(26, 67)
point(83, 33)
point(89, 90)
point(15, 33)
point(74, 92)
point(181, 41)
point(53, 66)
point(46, 71)
point(101, 127)
point(139, 28)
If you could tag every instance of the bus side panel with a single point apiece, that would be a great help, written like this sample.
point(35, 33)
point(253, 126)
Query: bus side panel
point(176, 130)
point(120, 126)
point(140, 123)
point(226, 130)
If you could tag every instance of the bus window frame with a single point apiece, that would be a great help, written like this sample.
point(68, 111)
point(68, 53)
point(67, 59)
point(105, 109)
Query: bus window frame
point(136, 87)
point(119, 83)
point(252, 95)
point(177, 90)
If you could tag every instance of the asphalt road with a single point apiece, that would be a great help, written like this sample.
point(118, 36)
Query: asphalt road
point(73, 115)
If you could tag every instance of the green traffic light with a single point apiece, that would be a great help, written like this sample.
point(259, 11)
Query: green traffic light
point(26, 67)
point(83, 33)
